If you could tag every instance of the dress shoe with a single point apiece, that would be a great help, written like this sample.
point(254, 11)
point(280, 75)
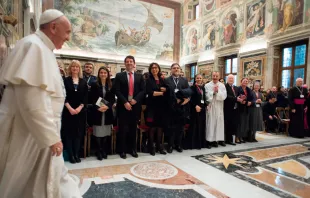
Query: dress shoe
point(222, 143)
point(123, 155)
point(162, 152)
point(72, 160)
point(99, 156)
point(255, 140)
point(243, 141)
point(104, 155)
point(179, 149)
point(208, 146)
point(231, 143)
point(215, 144)
point(169, 150)
point(152, 152)
point(134, 154)
point(77, 159)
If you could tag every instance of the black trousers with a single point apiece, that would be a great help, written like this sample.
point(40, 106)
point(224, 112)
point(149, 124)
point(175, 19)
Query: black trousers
point(231, 124)
point(73, 145)
point(127, 136)
point(176, 136)
point(272, 124)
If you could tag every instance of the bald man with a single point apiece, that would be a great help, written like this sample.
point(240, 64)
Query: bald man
point(297, 97)
point(31, 164)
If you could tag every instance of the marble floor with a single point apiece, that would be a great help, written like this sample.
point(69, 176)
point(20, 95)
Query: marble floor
point(276, 166)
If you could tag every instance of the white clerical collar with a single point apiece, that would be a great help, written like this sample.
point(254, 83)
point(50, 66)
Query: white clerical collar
point(47, 41)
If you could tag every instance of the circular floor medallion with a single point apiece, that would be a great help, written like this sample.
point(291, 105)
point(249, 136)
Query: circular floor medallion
point(154, 171)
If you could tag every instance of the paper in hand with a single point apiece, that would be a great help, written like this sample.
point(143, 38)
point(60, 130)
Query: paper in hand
point(101, 102)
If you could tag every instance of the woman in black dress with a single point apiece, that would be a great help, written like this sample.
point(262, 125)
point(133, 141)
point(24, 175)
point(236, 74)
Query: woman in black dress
point(74, 114)
point(245, 93)
point(156, 105)
point(102, 114)
point(195, 137)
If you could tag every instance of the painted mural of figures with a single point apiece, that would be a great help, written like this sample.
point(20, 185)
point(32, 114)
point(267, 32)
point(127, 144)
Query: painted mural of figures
point(209, 4)
point(193, 41)
point(230, 29)
point(256, 19)
point(290, 13)
point(209, 36)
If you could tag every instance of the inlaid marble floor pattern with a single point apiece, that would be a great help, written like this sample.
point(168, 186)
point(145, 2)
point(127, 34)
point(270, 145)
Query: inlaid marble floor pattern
point(276, 166)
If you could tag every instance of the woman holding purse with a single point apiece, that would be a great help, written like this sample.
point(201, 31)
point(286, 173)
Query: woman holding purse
point(103, 100)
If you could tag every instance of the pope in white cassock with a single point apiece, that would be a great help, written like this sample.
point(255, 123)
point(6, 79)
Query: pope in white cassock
point(215, 94)
point(31, 164)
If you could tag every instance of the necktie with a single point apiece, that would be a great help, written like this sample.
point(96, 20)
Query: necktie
point(130, 93)
point(176, 82)
point(232, 87)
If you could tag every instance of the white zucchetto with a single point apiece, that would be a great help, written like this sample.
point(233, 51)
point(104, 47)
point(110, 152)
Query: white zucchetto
point(50, 15)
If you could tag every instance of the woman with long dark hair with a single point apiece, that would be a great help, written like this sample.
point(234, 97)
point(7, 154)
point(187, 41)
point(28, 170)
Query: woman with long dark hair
point(156, 105)
point(102, 115)
point(195, 137)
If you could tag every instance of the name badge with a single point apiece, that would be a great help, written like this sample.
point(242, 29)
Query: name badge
point(176, 90)
point(129, 98)
point(202, 102)
point(257, 105)
point(302, 96)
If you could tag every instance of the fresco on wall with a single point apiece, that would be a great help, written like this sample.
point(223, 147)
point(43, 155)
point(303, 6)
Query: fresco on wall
point(221, 3)
point(208, 40)
point(120, 27)
point(256, 18)
point(208, 6)
point(290, 13)
point(252, 68)
point(229, 29)
point(191, 42)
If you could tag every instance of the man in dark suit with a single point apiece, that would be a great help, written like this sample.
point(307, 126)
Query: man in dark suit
point(176, 83)
point(230, 110)
point(129, 89)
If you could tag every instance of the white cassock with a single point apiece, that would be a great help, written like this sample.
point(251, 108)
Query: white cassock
point(30, 120)
point(215, 112)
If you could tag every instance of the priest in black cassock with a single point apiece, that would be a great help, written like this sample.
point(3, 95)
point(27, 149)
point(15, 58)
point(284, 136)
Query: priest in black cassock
point(297, 97)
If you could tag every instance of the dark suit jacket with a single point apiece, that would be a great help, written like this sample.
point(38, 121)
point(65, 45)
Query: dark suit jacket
point(96, 92)
point(269, 110)
point(245, 107)
point(231, 100)
point(121, 88)
point(177, 113)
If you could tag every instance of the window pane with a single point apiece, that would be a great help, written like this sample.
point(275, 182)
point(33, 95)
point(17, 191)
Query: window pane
point(287, 57)
point(286, 78)
point(228, 66)
point(193, 72)
point(234, 66)
point(197, 11)
point(299, 73)
point(300, 55)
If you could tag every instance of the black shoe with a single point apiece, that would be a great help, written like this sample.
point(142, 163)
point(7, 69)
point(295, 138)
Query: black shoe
point(222, 143)
point(152, 151)
point(77, 159)
point(242, 141)
point(72, 160)
point(134, 154)
point(99, 156)
point(179, 149)
point(169, 150)
point(104, 155)
point(231, 143)
point(162, 152)
point(123, 155)
point(255, 140)
point(208, 146)
point(215, 144)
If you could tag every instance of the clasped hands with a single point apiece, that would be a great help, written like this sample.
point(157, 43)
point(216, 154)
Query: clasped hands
point(75, 111)
point(103, 108)
point(128, 105)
